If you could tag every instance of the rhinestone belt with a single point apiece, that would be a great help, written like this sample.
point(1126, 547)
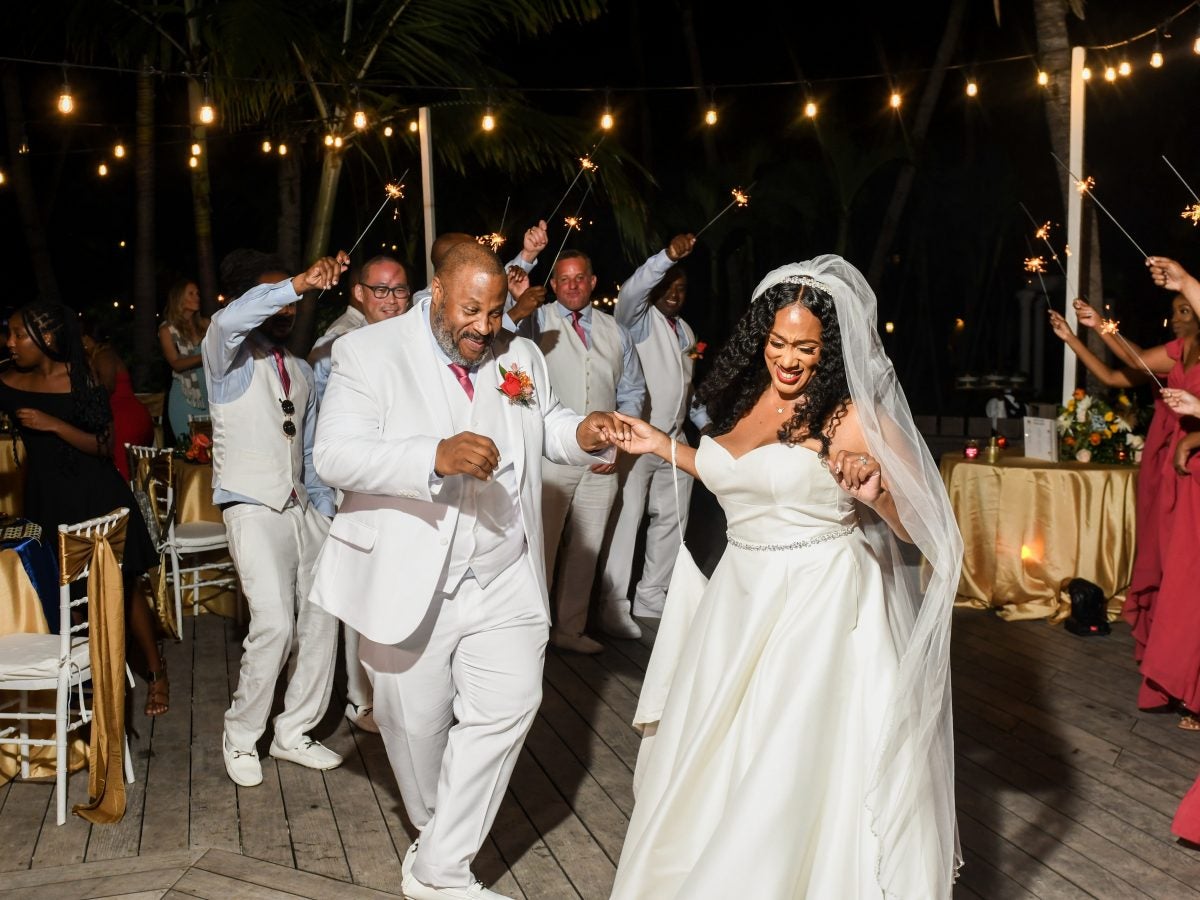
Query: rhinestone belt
point(832, 535)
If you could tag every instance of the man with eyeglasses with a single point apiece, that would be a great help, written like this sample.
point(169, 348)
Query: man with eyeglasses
point(275, 508)
point(379, 291)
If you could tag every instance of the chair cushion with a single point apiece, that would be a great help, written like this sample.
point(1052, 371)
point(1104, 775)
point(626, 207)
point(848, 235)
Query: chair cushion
point(200, 536)
point(35, 656)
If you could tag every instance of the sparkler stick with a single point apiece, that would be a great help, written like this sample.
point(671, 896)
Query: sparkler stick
point(1109, 326)
point(585, 165)
point(1181, 178)
point(496, 239)
point(1085, 187)
point(1038, 270)
point(740, 198)
point(1043, 233)
point(572, 223)
point(394, 190)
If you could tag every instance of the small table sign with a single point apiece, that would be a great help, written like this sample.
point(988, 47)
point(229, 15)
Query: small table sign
point(1041, 439)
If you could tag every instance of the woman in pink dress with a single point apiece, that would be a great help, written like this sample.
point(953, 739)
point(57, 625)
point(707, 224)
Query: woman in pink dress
point(1164, 569)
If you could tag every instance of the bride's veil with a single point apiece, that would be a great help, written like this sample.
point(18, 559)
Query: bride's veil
point(910, 788)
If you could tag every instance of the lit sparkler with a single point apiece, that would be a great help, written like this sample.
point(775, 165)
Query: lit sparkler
point(1112, 327)
point(572, 223)
point(1192, 212)
point(1043, 234)
point(393, 190)
point(496, 239)
point(1085, 187)
point(585, 165)
point(740, 198)
point(1038, 270)
point(1036, 265)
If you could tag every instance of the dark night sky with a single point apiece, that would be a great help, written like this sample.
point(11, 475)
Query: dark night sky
point(983, 155)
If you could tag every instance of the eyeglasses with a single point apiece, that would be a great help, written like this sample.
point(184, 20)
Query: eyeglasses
point(289, 410)
point(379, 291)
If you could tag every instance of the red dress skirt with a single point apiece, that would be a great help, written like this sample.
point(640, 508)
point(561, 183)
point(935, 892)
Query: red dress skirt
point(131, 421)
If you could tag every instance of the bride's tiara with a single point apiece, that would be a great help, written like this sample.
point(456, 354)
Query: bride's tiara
point(804, 279)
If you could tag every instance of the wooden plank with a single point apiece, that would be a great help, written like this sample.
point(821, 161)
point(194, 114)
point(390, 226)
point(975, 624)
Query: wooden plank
point(315, 840)
point(24, 812)
point(39, 878)
point(616, 732)
point(263, 819)
point(122, 839)
point(166, 818)
point(60, 845)
point(157, 880)
point(210, 886)
point(1023, 868)
point(582, 860)
point(978, 878)
point(601, 679)
point(214, 799)
point(529, 859)
point(282, 878)
point(140, 895)
point(370, 854)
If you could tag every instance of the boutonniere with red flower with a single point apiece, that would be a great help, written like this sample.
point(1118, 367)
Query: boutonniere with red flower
point(516, 385)
point(696, 351)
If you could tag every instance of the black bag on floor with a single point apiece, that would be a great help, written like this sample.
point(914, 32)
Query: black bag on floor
point(1089, 609)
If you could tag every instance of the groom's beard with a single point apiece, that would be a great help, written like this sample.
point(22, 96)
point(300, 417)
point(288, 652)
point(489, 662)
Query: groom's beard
point(447, 340)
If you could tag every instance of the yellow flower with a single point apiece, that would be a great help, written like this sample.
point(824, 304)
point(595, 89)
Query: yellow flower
point(1108, 416)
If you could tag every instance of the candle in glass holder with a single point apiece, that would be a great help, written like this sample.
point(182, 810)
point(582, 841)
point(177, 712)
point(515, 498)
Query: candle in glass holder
point(971, 450)
point(1122, 455)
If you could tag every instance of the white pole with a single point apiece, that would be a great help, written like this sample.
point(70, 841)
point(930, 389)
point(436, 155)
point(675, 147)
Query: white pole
point(426, 140)
point(1074, 212)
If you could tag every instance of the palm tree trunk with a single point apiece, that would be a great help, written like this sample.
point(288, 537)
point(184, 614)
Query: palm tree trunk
point(904, 183)
point(287, 244)
point(318, 246)
point(22, 179)
point(145, 326)
point(206, 267)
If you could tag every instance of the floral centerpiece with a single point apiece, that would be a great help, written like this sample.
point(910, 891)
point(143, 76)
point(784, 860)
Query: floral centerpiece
point(1092, 430)
point(199, 451)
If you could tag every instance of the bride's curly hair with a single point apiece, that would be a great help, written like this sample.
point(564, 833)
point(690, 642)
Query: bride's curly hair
point(739, 376)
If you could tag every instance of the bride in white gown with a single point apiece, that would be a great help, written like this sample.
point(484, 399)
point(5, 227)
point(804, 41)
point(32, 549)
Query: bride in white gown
point(796, 710)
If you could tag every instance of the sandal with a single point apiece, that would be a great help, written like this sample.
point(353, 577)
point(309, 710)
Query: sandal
point(158, 691)
point(1189, 721)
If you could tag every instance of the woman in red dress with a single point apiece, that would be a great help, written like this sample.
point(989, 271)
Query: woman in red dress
point(131, 422)
point(1166, 566)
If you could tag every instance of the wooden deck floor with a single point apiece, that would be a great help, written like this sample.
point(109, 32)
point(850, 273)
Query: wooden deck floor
point(1065, 790)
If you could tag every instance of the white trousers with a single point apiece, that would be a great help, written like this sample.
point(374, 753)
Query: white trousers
point(453, 703)
point(646, 483)
point(576, 504)
point(358, 686)
point(274, 553)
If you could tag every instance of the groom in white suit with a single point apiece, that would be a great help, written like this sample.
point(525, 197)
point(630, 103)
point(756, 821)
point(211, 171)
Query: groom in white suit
point(436, 554)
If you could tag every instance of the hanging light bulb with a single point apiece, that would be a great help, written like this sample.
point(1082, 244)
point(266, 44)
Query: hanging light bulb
point(3, 177)
point(1124, 68)
point(1086, 74)
point(1043, 78)
point(329, 140)
point(360, 119)
point(1156, 58)
point(488, 122)
point(23, 147)
point(195, 149)
point(283, 149)
point(413, 126)
point(66, 103)
point(1110, 73)
point(606, 120)
point(1196, 44)
point(207, 114)
point(193, 162)
point(895, 100)
point(266, 146)
point(972, 88)
point(710, 115)
point(119, 151)
point(337, 142)
point(102, 170)
point(810, 109)
point(387, 130)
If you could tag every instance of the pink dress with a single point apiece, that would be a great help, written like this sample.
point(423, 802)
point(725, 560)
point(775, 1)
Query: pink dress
point(131, 421)
point(1187, 818)
point(1162, 605)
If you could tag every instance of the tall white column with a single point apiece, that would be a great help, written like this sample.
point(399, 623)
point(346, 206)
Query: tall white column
point(1074, 212)
point(426, 141)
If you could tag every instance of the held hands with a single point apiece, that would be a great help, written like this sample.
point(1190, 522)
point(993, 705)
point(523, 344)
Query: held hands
point(1086, 313)
point(681, 245)
point(600, 430)
point(641, 437)
point(322, 274)
point(534, 242)
point(1181, 401)
point(466, 453)
point(1167, 273)
point(36, 420)
point(858, 474)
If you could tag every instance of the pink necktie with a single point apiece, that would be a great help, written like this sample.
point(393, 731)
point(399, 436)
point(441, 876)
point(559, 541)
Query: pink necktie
point(284, 379)
point(464, 378)
point(579, 327)
point(674, 324)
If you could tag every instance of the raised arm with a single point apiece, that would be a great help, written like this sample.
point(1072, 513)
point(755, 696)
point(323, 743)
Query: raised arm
point(633, 307)
point(1124, 377)
point(1171, 275)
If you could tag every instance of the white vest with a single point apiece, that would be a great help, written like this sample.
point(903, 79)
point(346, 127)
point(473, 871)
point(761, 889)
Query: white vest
point(668, 371)
point(584, 379)
point(251, 454)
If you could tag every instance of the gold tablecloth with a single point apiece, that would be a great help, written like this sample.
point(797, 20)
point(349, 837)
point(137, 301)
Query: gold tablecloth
point(1029, 525)
point(21, 613)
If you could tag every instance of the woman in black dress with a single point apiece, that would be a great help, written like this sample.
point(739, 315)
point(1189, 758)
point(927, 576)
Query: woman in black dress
point(65, 423)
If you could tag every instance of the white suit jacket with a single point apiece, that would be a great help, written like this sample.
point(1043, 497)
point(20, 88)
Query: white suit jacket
point(381, 420)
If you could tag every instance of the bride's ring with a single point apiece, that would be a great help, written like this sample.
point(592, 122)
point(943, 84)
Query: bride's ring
point(862, 459)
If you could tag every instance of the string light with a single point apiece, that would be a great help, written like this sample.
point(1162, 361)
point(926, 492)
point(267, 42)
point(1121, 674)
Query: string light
point(119, 151)
point(66, 103)
point(413, 126)
point(329, 140)
point(488, 123)
point(889, 327)
point(1156, 58)
point(387, 131)
point(972, 88)
point(606, 120)
point(810, 109)
point(710, 115)
point(1196, 44)
point(193, 162)
point(1086, 74)
point(102, 170)
point(895, 100)
point(337, 141)
point(360, 119)
point(266, 146)
point(1110, 73)
point(3, 177)
point(1043, 78)
point(207, 114)
point(195, 149)
point(1124, 68)
point(283, 149)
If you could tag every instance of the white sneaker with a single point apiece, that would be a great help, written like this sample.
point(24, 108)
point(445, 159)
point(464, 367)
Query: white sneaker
point(406, 864)
point(646, 611)
point(242, 766)
point(362, 716)
point(616, 621)
point(414, 890)
point(309, 753)
point(576, 643)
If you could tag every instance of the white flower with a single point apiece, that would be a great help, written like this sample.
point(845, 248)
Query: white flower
point(1084, 455)
point(1081, 413)
point(1136, 441)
